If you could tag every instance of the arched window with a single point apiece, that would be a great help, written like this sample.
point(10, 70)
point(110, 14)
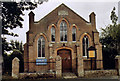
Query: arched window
point(41, 47)
point(63, 31)
point(73, 34)
point(85, 43)
point(53, 34)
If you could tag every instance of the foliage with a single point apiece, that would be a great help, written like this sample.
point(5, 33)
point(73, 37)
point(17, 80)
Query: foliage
point(11, 18)
point(17, 51)
point(8, 61)
point(110, 39)
point(111, 34)
point(12, 13)
point(16, 45)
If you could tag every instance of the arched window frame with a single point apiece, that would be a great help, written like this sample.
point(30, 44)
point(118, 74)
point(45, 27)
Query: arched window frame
point(53, 34)
point(85, 45)
point(41, 49)
point(63, 31)
point(74, 33)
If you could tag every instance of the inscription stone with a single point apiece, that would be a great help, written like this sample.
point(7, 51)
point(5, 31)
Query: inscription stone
point(62, 12)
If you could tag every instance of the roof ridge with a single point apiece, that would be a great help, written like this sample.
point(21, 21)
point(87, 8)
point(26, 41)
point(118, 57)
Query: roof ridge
point(58, 7)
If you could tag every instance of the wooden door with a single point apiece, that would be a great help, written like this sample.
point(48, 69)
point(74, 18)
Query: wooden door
point(66, 60)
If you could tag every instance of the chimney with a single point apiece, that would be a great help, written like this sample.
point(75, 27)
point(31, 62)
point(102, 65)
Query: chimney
point(31, 19)
point(93, 20)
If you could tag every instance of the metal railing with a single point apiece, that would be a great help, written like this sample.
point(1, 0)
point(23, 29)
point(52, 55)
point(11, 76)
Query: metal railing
point(93, 64)
point(40, 67)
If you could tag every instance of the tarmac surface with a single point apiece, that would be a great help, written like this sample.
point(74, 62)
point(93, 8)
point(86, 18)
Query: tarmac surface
point(109, 78)
point(67, 80)
point(112, 78)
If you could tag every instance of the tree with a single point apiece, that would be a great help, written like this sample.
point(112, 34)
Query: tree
point(17, 51)
point(21, 47)
point(8, 61)
point(110, 39)
point(11, 19)
point(11, 16)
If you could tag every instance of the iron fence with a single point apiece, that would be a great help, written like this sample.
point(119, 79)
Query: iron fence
point(93, 64)
point(40, 67)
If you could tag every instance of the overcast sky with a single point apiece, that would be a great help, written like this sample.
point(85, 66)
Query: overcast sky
point(101, 9)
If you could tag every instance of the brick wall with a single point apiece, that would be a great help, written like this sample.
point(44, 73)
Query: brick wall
point(100, 73)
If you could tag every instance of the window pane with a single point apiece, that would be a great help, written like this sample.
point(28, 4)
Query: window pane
point(83, 50)
point(41, 47)
point(61, 35)
point(73, 34)
point(85, 43)
point(65, 36)
point(65, 28)
point(43, 51)
point(63, 31)
point(73, 37)
point(52, 34)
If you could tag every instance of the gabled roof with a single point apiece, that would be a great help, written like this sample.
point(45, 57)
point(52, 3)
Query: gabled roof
point(66, 7)
point(73, 12)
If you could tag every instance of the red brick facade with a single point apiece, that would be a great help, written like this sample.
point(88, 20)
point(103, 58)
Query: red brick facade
point(43, 28)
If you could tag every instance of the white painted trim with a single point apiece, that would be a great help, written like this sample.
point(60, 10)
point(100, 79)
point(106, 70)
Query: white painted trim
point(73, 41)
point(37, 48)
point(52, 42)
point(63, 41)
point(40, 57)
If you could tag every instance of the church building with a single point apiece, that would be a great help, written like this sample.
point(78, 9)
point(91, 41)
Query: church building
point(61, 33)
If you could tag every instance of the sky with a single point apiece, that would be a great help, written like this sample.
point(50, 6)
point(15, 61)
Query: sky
point(101, 8)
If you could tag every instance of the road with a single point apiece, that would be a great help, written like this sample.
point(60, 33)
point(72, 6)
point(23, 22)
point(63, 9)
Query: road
point(68, 80)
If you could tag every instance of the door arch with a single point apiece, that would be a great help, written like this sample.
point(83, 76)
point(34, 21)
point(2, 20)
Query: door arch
point(65, 54)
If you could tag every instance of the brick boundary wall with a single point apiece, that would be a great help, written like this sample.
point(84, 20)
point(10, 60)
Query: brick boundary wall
point(36, 75)
point(87, 74)
point(100, 73)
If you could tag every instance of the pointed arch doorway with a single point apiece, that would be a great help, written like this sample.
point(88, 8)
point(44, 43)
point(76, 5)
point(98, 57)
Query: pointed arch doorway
point(65, 54)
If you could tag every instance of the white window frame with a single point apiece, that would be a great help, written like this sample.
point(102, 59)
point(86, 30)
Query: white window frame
point(51, 33)
point(75, 33)
point(85, 45)
point(41, 49)
point(63, 30)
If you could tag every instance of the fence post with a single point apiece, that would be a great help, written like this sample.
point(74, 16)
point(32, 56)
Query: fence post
point(15, 67)
point(58, 67)
point(118, 63)
point(80, 68)
point(51, 63)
